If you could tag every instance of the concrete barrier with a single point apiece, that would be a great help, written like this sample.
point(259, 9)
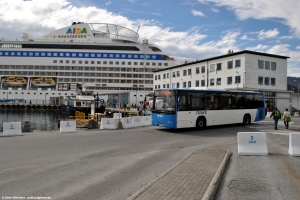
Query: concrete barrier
point(137, 121)
point(269, 114)
point(12, 128)
point(67, 126)
point(252, 143)
point(117, 116)
point(147, 120)
point(127, 122)
point(294, 144)
point(296, 114)
point(108, 123)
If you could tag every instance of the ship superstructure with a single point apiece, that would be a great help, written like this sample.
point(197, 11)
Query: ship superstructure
point(101, 57)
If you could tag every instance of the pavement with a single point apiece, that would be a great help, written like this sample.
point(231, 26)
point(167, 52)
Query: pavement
point(197, 176)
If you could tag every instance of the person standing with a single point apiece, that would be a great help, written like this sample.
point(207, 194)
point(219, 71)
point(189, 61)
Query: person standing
point(286, 118)
point(276, 116)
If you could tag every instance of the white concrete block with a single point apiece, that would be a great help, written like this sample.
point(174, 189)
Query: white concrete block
point(68, 126)
point(137, 121)
point(117, 116)
point(252, 143)
point(127, 122)
point(108, 123)
point(147, 121)
point(12, 128)
point(296, 114)
point(294, 144)
point(269, 114)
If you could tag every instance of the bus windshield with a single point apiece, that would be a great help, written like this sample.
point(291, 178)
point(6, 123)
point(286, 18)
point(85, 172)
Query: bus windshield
point(164, 101)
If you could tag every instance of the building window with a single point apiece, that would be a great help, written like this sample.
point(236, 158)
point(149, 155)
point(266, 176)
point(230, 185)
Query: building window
point(164, 85)
point(173, 75)
point(168, 75)
point(218, 81)
point(197, 84)
point(197, 70)
point(238, 63)
point(159, 77)
point(212, 82)
point(184, 84)
point(273, 66)
point(202, 69)
point(260, 80)
point(219, 66)
point(267, 65)
point(184, 72)
point(237, 79)
point(155, 77)
point(273, 81)
point(189, 72)
point(267, 81)
point(178, 73)
point(212, 68)
point(178, 85)
point(260, 64)
point(229, 80)
point(173, 85)
point(203, 83)
point(164, 76)
point(230, 64)
point(189, 84)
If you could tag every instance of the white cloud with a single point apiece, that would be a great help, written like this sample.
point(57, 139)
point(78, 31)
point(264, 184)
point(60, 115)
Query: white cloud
point(259, 48)
point(245, 37)
point(108, 3)
point(267, 34)
point(244, 9)
point(298, 47)
point(215, 10)
point(198, 13)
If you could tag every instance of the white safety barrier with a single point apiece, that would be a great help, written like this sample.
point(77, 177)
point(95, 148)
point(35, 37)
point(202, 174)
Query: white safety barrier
point(147, 120)
point(252, 143)
point(127, 122)
point(137, 121)
point(67, 126)
point(12, 128)
point(117, 116)
point(108, 123)
point(296, 114)
point(294, 144)
point(269, 114)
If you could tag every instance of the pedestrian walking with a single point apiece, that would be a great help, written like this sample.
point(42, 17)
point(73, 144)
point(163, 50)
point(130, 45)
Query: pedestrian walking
point(286, 118)
point(276, 116)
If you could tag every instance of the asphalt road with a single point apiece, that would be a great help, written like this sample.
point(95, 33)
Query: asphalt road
point(113, 164)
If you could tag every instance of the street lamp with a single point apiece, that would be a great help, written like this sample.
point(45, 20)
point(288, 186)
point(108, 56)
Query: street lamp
point(45, 97)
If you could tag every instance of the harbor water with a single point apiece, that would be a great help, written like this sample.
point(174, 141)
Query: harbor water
point(39, 119)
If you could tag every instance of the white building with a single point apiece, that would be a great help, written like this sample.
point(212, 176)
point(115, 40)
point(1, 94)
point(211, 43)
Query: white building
point(244, 70)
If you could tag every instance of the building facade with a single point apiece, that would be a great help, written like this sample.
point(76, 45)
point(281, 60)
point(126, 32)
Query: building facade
point(244, 70)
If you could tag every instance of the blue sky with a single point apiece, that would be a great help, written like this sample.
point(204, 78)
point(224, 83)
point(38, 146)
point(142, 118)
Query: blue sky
point(184, 29)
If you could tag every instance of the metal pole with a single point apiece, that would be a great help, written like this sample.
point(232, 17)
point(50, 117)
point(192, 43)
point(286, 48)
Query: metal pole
point(97, 107)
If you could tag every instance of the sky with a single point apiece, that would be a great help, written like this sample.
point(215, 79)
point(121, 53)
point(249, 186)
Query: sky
point(184, 29)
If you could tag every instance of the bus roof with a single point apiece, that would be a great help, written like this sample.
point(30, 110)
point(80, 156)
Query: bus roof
point(208, 90)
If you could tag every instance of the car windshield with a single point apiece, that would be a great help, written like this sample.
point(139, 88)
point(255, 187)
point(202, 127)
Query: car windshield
point(164, 101)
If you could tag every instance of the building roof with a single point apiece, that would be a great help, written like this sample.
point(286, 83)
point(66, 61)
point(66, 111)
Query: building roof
point(224, 56)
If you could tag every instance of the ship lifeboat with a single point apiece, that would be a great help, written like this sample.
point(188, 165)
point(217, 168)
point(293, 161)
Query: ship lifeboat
point(43, 81)
point(14, 80)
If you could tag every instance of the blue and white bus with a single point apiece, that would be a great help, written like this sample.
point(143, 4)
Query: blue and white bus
point(187, 107)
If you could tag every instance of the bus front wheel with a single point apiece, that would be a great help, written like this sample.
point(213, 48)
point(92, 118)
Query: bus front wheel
point(247, 119)
point(201, 123)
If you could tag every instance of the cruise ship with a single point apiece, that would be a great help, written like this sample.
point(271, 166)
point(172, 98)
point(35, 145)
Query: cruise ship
point(100, 57)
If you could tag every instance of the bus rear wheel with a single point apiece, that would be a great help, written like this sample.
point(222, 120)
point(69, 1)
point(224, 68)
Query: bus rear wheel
point(201, 123)
point(247, 119)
